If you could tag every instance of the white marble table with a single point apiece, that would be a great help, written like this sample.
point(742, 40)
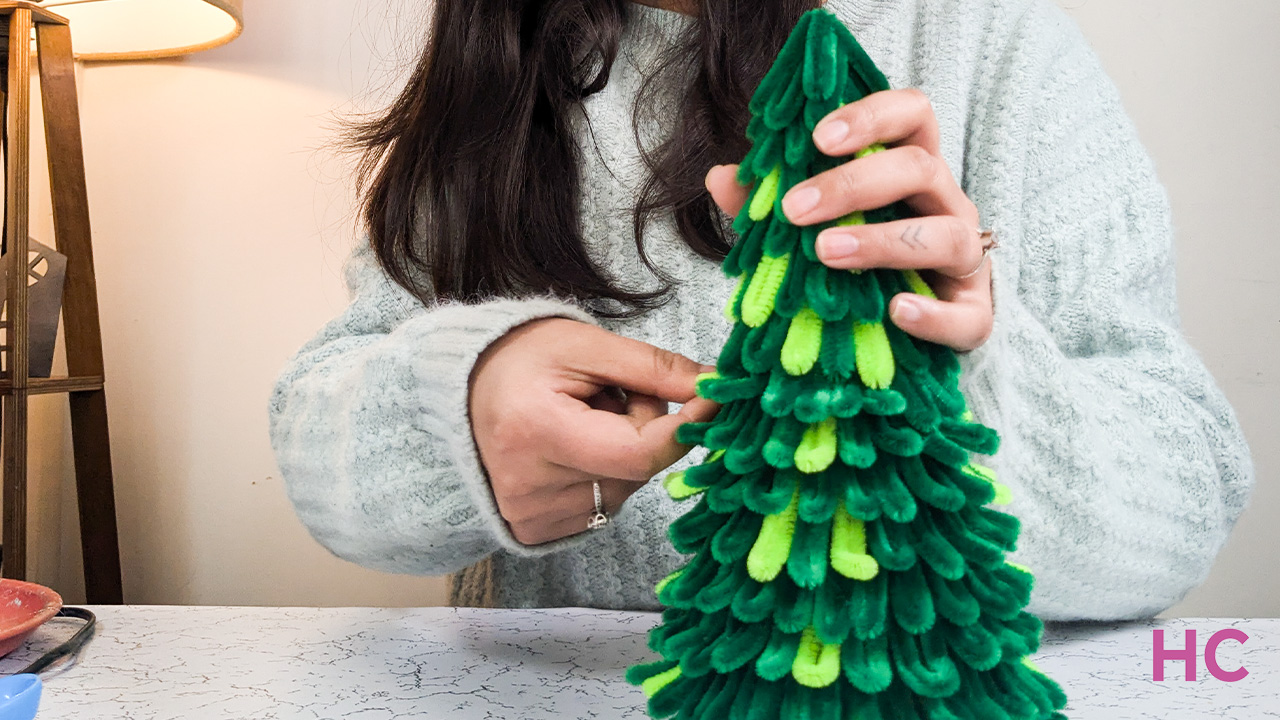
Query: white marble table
point(466, 664)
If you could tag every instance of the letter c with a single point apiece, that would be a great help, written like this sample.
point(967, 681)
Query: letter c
point(1211, 655)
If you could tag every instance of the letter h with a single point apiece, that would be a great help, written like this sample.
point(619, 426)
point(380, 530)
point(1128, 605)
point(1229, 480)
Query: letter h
point(1159, 654)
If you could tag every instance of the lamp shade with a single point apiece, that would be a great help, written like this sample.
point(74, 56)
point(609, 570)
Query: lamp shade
point(144, 29)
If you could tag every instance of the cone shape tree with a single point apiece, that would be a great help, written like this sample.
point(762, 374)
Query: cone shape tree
point(845, 563)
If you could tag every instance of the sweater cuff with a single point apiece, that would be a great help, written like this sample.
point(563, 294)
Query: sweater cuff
point(452, 337)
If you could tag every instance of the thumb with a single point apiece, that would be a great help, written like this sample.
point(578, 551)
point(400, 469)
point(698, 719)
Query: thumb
point(722, 183)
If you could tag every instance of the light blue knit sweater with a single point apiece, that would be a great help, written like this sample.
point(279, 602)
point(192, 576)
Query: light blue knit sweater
point(1126, 464)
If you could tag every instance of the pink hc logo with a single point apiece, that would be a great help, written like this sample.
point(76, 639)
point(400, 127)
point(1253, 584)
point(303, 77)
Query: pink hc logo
point(1188, 654)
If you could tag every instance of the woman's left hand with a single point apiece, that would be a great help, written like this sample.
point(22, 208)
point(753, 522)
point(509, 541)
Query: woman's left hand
point(944, 240)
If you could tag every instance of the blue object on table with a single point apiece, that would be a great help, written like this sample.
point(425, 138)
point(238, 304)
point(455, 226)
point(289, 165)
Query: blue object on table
point(19, 697)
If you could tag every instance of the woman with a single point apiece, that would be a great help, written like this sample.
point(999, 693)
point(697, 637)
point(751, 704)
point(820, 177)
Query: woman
point(542, 279)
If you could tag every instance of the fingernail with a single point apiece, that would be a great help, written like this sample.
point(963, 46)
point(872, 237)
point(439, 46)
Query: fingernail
point(831, 132)
point(800, 201)
point(906, 310)
point(836, 245)
point(708, 368)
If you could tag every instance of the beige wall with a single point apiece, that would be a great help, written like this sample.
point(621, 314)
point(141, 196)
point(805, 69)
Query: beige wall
point(221, 221)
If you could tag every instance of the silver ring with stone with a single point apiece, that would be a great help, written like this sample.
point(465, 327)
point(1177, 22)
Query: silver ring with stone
point(599, 518)
point(989, 243)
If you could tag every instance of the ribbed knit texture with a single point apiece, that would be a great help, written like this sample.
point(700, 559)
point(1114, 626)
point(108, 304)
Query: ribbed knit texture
point(1126, 464)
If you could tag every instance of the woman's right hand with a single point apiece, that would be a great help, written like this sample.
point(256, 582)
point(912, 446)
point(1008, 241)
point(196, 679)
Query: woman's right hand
point(556, 403)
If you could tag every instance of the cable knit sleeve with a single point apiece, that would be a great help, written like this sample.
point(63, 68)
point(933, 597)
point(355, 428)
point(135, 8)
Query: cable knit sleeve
point(1127, 465)
point(369, 424)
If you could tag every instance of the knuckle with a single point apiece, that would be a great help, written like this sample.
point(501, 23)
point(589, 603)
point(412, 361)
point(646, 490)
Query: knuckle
point(516, 518)
point(883, 242)
point(635, 464)
point(665, 362)
point(514, 432)
point(920, 99)
point(634, 467)
point(509, 505)
point(509, 490)
point(959, 239)
point(923, 164)
point(845, 182)
point(981, 334)
point(862, 119)
point(507, 438)
point(977, 341)
point(529, 533)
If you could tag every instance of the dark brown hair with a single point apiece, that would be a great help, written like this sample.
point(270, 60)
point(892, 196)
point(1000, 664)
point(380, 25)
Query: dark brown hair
point(471, 177)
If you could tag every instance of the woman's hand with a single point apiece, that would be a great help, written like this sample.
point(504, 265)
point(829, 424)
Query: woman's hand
point(944, 240)
point(556, 404)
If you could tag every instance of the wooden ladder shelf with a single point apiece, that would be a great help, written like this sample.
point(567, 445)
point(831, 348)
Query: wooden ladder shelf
point(84, 386)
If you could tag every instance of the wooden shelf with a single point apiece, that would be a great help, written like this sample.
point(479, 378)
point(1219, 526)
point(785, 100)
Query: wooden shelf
point(83, 385)
point(47, 386)
point(39, 14)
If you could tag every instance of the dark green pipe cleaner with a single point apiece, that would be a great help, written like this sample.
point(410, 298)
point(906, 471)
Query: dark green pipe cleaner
point(844, 560)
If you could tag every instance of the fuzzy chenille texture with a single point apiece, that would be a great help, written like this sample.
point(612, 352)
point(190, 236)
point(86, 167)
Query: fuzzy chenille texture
point(1126, 464)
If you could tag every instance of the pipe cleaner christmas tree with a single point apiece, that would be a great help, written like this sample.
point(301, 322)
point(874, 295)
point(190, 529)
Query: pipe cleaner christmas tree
point(845, 564)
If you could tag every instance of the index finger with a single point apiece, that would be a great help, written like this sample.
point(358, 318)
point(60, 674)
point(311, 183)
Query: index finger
point(597, 357)
point(608, 445)
point(888, 116)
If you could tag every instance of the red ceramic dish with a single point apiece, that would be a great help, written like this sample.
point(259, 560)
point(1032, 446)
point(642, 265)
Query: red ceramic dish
point(24, 607)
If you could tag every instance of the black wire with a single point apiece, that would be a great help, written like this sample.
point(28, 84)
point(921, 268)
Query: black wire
point(70, 647)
